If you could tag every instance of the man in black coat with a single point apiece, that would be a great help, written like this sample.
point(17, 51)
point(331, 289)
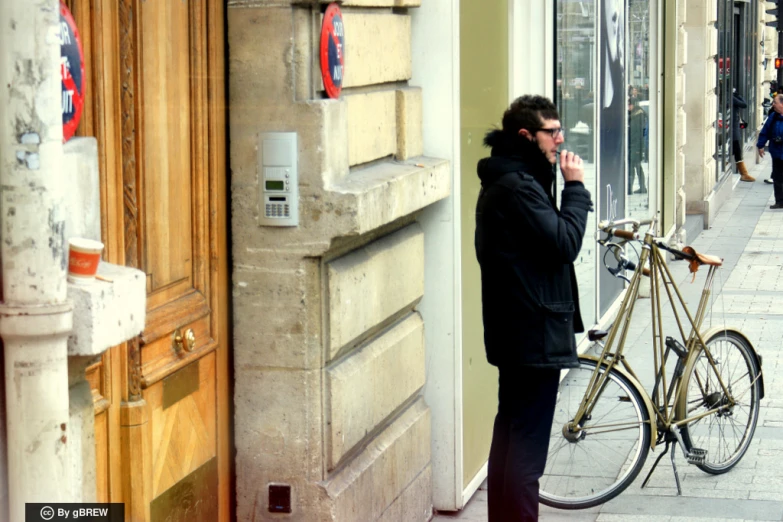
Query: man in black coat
point(526, 248)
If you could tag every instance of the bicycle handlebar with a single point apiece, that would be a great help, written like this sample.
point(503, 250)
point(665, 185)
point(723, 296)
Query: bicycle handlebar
point(624, 234)
point(612, 229)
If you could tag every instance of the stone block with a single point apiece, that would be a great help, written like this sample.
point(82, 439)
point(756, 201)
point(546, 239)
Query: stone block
point(711, 111)
point(682, 13)
point(260, 77)
point(682, 47)
point(696, 15)
point(277, 313)
point(372, 126)
point(680, 168)
point(81, 443)
point(384, 470)
point(378, 47)
point(679, 88)
point(107, 313)
point(82, 197)
point(709, 145)
point(710, 76)
point(371, 284)
point(415, 503)
point(682, 128)
point(381, 193)
point(279, 440)
point(711, 41)
point(306, 59)
point(410, 139)
point(368, 386)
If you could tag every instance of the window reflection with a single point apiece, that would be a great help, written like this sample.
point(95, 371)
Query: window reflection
point(575, 99)
point(638, 65)
point(724, 86)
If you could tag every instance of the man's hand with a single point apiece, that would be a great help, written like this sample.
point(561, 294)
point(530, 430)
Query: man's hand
point(571, 167)
point(761, 152)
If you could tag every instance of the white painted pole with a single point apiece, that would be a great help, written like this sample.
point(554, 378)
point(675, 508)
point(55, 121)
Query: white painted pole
point(35, 317)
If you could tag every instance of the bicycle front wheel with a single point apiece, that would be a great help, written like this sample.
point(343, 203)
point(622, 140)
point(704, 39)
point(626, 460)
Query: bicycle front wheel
point(594, 462)
point(726, 435)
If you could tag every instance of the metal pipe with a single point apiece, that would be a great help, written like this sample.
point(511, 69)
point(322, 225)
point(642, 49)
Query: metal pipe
point(35, 317)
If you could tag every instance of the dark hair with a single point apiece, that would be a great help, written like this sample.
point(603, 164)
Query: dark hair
point(528, 112)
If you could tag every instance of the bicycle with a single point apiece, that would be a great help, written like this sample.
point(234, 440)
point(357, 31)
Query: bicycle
point(606, 422)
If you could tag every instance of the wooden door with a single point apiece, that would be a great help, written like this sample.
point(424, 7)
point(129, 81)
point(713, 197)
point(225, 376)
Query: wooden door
point(156, 68)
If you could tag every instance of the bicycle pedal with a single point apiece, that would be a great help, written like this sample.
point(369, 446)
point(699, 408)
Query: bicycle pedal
point(696, 456)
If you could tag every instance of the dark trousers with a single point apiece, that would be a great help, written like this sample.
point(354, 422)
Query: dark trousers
point(777, 179)
point(635, 170)
point(520, 441)
point(737, 150)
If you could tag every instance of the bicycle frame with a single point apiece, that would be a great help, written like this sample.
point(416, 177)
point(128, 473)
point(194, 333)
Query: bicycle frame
point(666, 391)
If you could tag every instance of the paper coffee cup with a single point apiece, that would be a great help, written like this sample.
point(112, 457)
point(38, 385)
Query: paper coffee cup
point(83, 258)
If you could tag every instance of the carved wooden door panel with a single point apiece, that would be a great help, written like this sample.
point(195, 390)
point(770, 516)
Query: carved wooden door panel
point(170, 178)
point(158, 111)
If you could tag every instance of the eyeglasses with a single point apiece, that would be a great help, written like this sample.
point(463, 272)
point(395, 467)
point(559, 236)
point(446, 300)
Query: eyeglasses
point(554, 132)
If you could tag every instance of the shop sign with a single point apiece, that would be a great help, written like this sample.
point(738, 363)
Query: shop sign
point(333, 51)
point(71, 72)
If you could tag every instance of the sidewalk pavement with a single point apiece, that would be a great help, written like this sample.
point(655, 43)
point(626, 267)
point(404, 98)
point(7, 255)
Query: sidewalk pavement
point(748, 235)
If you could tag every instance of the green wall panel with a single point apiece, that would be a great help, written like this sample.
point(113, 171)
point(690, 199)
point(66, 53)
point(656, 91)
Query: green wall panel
point(484, 84)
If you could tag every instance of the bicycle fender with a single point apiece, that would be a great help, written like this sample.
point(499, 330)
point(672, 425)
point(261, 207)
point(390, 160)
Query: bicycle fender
point(645, 397)
point(715, 329)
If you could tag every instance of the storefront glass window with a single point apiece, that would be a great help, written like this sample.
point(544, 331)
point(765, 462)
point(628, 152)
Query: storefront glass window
point(640, 104)
point(724, 88)
point(737, 55)
point(612, 122)
point(575, 96)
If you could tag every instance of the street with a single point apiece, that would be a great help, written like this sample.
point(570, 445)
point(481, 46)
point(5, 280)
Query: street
point(748, 291)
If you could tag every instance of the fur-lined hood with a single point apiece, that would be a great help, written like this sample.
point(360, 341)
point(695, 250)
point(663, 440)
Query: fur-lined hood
point(513, 153)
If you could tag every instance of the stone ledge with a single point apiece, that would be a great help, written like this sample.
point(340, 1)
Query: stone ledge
point(377, 477)
point(107, 313)
point(384, 192)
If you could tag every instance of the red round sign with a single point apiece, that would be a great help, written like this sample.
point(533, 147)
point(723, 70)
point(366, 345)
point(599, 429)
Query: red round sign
point(71, 72)
point(333, 51)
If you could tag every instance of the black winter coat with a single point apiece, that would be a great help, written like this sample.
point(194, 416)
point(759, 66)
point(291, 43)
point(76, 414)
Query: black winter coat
point(737, 103)
point(526, 248)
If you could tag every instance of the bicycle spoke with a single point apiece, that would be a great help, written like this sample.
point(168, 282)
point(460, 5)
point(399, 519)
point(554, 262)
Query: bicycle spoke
point(726, 433)
point(607, 448)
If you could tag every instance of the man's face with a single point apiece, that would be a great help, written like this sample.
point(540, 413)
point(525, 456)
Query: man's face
point(548, 137)
point(612, 22)
point(777, 104)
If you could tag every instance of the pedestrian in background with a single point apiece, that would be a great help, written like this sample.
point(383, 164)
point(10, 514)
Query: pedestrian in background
point(772, 132)
point(637, 124)
point(526, 248)
point(737, 103)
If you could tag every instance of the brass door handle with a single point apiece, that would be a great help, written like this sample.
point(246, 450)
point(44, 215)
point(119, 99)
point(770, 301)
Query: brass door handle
point(184, 342)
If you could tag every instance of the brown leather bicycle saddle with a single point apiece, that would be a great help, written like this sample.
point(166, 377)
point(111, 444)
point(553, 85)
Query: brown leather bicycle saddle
point(698, 259)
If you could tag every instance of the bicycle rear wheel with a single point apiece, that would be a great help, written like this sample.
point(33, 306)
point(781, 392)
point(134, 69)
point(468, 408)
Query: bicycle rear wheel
point(597, 462)
point(726, 435)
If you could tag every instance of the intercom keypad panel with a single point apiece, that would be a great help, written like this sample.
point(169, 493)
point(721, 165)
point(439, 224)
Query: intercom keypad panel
point(279, 173)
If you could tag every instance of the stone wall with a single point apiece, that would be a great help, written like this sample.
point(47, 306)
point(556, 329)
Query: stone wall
point(682, 118)
point(328, 343)
point(700, 102)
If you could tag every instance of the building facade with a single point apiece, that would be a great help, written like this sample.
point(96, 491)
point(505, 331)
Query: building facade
point(332, 368)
